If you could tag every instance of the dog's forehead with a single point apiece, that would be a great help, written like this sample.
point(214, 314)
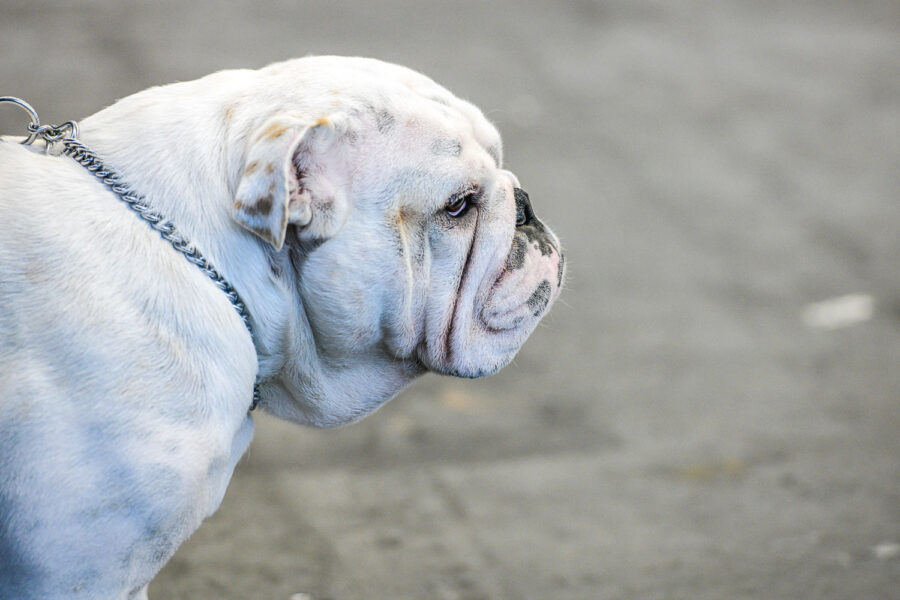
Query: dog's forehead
point(440, 124)
point(397, 98)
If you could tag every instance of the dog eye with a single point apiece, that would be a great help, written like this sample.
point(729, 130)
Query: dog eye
point(459, 203)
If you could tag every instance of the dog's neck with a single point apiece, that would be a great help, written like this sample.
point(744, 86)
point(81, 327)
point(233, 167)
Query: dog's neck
point(164, 154)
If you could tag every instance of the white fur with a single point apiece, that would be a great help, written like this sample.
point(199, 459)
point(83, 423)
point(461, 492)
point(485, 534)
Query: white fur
point(125, 374)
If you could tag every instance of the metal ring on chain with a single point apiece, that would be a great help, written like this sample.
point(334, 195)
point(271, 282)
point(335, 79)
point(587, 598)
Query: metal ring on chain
point(54, 133)
point(35, 121)
point(66, 133)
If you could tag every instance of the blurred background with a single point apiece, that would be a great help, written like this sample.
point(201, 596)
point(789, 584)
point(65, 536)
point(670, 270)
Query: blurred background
point(711, 411)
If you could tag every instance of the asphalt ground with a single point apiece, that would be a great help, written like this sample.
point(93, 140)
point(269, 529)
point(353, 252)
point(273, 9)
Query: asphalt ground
point(690, 422)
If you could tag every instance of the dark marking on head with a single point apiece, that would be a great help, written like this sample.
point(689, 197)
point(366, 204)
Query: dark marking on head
point(446, 147)
point(385, 121)
point(560, 269)
point(270, 168)
point(540, 298)
point(325, 207)
point(251, 168)
point(517, 252)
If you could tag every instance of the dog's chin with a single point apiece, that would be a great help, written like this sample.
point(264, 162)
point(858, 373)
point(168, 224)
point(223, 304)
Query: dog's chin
point(478, 363)
point(484, 351)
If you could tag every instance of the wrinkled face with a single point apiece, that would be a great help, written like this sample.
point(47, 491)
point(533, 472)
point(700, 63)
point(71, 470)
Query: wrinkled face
point(428, 254)
point(442, 256)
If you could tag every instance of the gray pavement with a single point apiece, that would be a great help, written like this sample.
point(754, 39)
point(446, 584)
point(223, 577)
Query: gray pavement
point(684, 425)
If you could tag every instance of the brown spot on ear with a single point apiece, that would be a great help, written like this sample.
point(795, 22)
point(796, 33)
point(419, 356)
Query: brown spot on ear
point(264, 205)
point(229, 112)
point(273, 131)
point(251, 168)
point(261, 207)
point(270, 168)
point(323, 121)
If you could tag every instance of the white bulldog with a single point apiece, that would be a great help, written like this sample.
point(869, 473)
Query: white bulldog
point(361, 212)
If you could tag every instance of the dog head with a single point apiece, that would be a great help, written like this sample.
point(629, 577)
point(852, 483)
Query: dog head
point(412, 248)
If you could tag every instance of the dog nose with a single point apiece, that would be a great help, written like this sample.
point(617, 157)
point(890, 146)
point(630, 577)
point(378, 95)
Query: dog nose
point(524, 214)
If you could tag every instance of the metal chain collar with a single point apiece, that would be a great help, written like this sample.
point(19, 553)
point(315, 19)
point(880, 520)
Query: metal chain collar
point(67, 134)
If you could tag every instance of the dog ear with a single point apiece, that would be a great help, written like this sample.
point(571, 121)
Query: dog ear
point(286, 180)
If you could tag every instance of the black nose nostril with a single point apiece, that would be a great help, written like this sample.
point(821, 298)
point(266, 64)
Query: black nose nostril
point(524, 214)
point(520, 217)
